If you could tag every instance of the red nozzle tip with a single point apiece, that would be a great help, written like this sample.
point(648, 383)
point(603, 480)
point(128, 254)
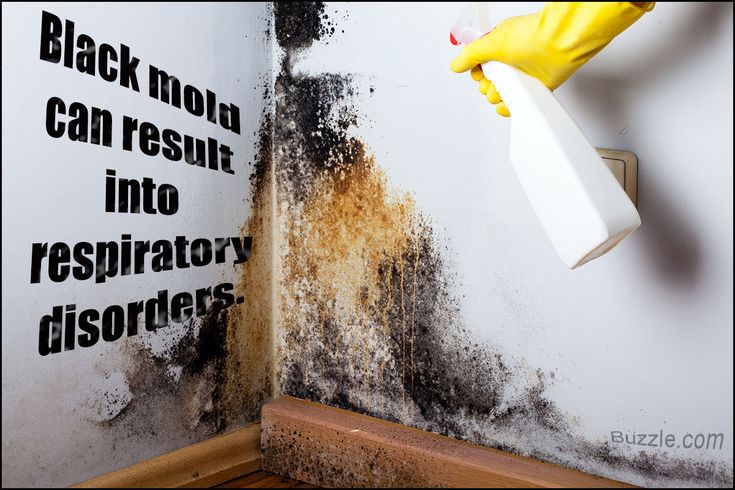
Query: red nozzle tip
point(453, 40)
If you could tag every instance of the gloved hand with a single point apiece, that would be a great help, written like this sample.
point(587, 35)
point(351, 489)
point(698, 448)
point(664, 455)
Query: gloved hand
point(549, 45)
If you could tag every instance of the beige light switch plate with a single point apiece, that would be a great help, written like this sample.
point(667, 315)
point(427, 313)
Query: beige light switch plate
point(624, 166)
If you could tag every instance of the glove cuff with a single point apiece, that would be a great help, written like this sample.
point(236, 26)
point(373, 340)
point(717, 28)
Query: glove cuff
point(581, 29)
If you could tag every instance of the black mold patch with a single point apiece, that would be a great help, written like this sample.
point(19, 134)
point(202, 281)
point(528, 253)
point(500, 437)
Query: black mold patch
point(183, 386)
point(450, 372)
point(263, 156)
point(315, 129)
point(406, 357)
point(299, 24)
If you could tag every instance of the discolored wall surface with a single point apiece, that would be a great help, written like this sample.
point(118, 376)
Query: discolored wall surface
point(403, 294)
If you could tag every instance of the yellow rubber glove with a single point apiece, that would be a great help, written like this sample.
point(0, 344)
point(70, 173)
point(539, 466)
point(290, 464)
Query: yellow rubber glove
point(549, 45)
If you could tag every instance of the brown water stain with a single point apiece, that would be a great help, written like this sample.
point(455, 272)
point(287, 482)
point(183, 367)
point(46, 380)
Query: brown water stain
point(249, 365)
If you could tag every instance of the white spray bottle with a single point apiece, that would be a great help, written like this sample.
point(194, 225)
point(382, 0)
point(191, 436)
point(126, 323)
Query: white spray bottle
point(582, 207)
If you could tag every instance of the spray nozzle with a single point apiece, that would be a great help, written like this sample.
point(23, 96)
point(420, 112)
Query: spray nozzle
point(473, 23)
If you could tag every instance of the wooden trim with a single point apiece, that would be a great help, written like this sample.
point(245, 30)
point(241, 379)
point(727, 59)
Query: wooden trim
point(204, 464)
point(330, 447)
point(261, 479)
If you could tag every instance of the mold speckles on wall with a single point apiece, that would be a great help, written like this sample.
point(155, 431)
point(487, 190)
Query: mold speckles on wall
point(298, 24)
point(216, 376)
point(366, 313)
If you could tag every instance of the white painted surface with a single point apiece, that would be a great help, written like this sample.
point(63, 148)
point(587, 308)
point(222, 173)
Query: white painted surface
point(53, 190)
point(641, 339)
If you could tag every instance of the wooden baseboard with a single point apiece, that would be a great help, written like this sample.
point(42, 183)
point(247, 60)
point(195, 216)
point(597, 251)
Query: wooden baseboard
point(329, 447)
point(204, 464)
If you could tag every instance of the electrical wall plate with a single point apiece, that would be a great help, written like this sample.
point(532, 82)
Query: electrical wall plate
point(624, 166)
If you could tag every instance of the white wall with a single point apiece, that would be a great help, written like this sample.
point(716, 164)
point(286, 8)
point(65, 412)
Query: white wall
point(59, 423)
point(639, 340)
